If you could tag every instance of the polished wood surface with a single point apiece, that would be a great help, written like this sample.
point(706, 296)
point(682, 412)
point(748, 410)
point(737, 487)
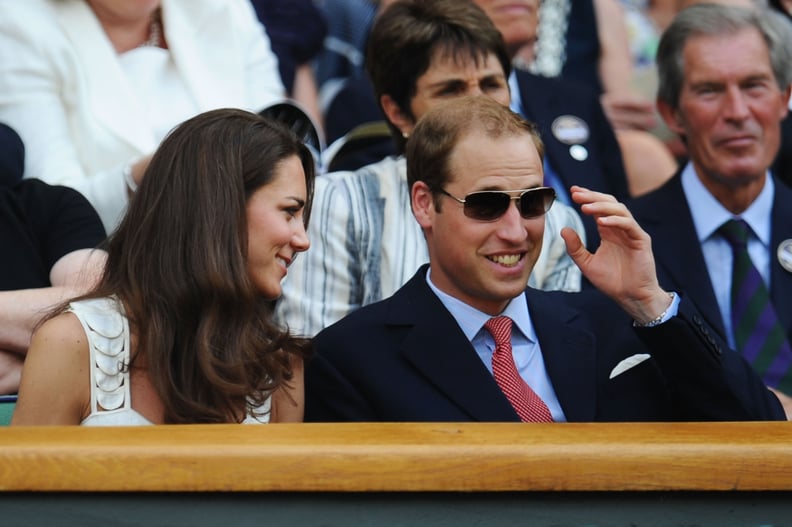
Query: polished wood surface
point(399, 457)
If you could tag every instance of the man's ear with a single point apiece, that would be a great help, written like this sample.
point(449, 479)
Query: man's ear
point(422, 201)
point(396, 116)
point(671, 116)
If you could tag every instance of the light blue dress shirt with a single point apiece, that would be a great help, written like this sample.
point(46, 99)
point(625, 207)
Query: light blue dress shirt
point(525, 346)
point(708, 215)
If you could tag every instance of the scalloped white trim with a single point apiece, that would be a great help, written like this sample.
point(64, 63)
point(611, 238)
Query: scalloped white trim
point(107, 330)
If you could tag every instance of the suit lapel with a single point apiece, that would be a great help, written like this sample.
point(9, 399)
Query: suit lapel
point(569, 355)
point(437, 348)
point(108, 92)
point(665, 215)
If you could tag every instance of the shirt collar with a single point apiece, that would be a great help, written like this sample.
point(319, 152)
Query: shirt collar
point(471, 320)
point(514, 91)
point(708, 214)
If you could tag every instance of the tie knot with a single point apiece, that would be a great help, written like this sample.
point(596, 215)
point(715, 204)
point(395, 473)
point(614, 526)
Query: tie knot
point(500, 328)
point(736, 232)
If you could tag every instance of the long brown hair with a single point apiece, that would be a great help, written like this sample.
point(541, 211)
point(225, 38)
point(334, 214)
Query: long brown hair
point(177, 262)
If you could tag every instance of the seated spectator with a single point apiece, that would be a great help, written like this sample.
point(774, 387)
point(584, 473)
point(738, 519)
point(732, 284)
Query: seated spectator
point(366, 243)
point(92, 87)
point(48, 234)
point(463, 340)
point(586, 42)
point(179, 328)
point(721, 226)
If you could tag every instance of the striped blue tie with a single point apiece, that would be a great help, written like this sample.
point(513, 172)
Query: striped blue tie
point(758, 334)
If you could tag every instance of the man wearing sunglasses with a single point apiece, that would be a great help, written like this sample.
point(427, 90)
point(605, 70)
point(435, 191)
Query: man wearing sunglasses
point(365, 243)
point(464, 340)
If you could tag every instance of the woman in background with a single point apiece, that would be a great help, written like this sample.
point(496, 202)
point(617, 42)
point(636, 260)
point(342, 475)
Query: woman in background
point(92, 86)
point(179, 329)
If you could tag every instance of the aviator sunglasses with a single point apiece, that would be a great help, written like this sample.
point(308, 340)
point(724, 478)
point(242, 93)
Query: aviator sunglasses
point(489, 205)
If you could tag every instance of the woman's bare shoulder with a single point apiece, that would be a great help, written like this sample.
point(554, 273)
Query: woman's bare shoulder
point(64, 328)
point(288, 400)
point(55, 385)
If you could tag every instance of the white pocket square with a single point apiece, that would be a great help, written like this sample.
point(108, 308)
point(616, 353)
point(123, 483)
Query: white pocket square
point(629, 362)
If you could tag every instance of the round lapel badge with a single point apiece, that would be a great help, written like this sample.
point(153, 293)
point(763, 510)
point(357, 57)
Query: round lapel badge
point(578, 152)
point(570, 130)
point(784, 254)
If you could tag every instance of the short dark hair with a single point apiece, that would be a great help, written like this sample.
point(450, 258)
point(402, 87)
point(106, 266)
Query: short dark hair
point(407, 35)
point(718, 19)
point(437, 133)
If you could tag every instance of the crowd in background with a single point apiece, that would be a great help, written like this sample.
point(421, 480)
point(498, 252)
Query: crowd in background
point(99, 96)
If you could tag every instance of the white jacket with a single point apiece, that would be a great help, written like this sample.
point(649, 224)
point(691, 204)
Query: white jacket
point(63, 90)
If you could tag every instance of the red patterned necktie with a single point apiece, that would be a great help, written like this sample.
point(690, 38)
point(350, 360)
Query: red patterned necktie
point(529, 406)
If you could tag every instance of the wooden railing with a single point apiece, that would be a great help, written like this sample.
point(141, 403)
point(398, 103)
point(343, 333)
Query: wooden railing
point(403, 457)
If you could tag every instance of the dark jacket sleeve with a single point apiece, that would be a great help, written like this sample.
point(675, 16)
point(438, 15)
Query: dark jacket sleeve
point(329, 395)
point(708, 380)
point(62, 219)
point(692, 375)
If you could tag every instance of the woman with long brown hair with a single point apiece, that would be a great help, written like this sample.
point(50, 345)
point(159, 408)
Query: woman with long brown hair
point(179, 329)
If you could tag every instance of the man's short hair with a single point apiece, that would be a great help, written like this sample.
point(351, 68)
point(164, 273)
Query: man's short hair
point(717, 20)
point(432, 142)
point(409, 33)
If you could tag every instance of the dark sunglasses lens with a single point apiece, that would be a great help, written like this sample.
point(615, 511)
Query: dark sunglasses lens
point(534, 203)
point(486, 205)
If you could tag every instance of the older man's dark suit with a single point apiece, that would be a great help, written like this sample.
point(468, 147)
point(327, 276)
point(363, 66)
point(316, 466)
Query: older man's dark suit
point(405, 359)
point(665, 215)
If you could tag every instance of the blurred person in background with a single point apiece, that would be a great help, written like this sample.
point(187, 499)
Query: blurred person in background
point(92, 86)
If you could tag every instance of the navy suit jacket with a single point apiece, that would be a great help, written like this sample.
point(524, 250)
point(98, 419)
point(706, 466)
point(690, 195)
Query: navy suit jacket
point(406, 359)
point(665, 215)
point(543, 101)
